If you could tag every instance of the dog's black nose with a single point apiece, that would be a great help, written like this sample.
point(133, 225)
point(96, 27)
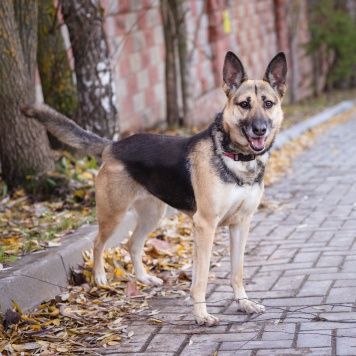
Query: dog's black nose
point(259, 127)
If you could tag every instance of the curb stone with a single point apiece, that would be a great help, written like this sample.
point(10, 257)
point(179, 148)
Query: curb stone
point(41, 276)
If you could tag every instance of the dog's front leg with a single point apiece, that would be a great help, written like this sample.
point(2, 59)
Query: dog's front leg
point(238, 239)
point(203, 242)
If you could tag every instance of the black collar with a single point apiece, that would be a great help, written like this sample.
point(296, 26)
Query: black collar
point(240, 157)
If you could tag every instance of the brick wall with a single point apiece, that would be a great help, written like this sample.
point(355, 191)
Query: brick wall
point(135, 34)
point(254, 29)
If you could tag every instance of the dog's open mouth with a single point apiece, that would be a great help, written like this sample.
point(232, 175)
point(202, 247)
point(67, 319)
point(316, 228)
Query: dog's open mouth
point(257, 143)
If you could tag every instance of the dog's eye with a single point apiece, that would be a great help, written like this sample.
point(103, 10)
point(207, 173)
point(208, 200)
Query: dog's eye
point(244, 104)
point(268, 104)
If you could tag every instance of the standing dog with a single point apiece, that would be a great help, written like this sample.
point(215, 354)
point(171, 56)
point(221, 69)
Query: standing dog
point(216, 176)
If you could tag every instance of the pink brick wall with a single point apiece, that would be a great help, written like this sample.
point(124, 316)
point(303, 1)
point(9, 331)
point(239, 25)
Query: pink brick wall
point(259, 29)
point(135, 35)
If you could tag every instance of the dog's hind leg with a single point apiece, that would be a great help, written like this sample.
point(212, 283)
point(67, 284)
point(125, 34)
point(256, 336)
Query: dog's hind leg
point(149, 212)
point(238, 239)
point(107, 229)
point(114, 193)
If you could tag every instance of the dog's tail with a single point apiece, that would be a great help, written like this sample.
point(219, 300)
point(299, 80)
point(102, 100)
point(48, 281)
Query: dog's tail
point(67, 130)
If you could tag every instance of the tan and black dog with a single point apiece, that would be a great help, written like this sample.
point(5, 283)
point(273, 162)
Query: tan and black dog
point(216, 176)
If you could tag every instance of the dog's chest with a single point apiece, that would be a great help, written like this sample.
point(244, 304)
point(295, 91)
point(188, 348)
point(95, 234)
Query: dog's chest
point(238, 202)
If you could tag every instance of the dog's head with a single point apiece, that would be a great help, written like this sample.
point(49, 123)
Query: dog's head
point(253, 113)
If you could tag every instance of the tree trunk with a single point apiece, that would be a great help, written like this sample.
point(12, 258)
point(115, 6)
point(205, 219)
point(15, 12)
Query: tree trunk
point(172, 108)
point(294, 11)
point(97, 110)
point(24, 147)
point(58, 88)
point(179, 14)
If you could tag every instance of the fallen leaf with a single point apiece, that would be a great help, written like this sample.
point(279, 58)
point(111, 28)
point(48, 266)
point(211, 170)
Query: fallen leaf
point(131, 289)
point(27, 346)
point(11, 318)
point(185, 276)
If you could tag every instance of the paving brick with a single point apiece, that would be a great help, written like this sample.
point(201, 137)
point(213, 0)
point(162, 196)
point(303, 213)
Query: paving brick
point(236, 353)
point(251, 345)
point(294, 266)
point(272, 294)
point(345, 283)
point(263, 281)
point(314, 339)
point(275, 335)
point(346, 342)
point(296, 352)
point(332, 276)
point(291, 302)
point(164, 342)
point(124, 349)
point(328, 261)
point(289, 283)
point(349, 266)
point(314, 288)
point(342, 295)
point(306, 257)
point(204, 349)
point(311, 271)
point(283, 253)
point(240, 336)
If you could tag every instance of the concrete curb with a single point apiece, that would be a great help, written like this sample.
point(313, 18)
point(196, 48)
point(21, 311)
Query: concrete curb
point(41, 276)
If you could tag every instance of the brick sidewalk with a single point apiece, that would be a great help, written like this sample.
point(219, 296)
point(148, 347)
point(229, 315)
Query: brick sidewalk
point(300, 263)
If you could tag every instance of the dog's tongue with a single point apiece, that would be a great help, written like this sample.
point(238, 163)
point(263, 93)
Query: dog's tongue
point(258, 142)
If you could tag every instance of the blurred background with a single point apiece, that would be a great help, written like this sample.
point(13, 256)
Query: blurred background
point(122, 66)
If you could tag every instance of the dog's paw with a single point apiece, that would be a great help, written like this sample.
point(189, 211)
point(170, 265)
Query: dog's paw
point(250, 307)
point(100, 279)
point(150, 280)
point(206, 319)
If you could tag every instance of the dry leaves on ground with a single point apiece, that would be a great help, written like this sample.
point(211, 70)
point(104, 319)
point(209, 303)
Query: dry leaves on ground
point(27, 225)
point(85, 318)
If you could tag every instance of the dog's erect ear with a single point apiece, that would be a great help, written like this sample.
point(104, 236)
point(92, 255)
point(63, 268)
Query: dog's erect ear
point(276, 73)
point(233, 73)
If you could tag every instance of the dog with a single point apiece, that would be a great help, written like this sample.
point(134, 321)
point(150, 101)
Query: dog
point(215, 176)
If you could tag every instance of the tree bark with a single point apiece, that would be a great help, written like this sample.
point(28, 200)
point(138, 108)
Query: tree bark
point(97, 110)
point(294, 11)
point(171, 82)
point(58, 88)
point(24, 147)
point(179, 14)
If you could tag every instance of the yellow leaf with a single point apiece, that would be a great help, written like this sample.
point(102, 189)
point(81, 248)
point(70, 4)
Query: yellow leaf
point(87, 175)
point(118, 272)
point(110, 339)
point(17, 307)
point(62, 349)
point(113, 343)
point(155, 321)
